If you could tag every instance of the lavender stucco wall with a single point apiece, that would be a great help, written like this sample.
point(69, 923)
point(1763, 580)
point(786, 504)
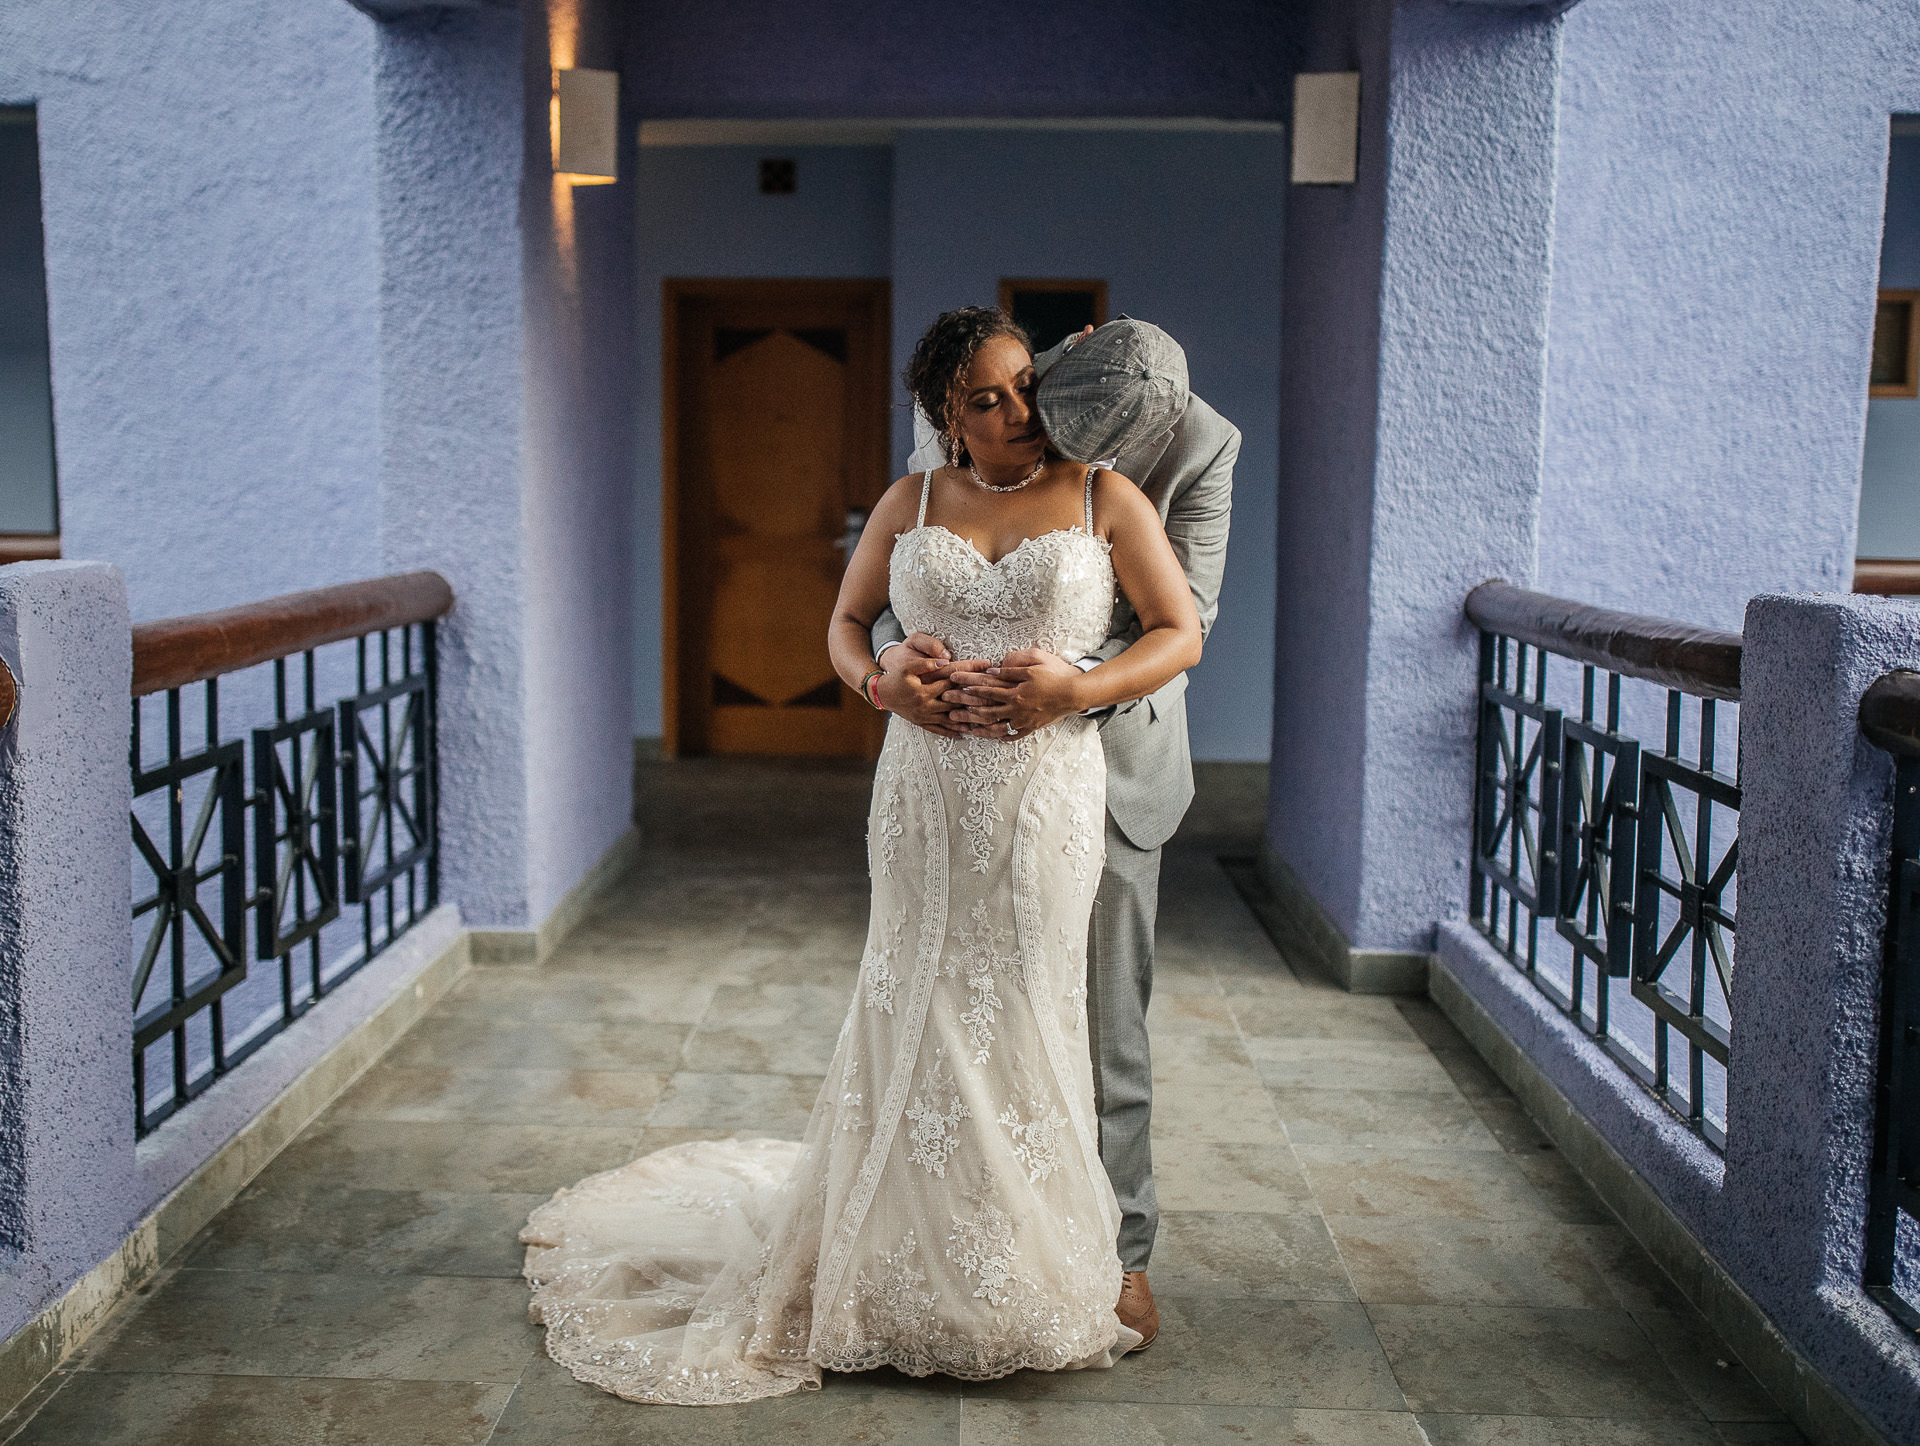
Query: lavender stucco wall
point(1718, 235)
point(451, 335)
point(313, 318)
point(67, 1189)
point(1001, 58)
point(505, 436)
point(212, 288)
point(1463, 311)
point(1329, 377)
point(1816, 808)
point(1411, 472)
point(577, 488)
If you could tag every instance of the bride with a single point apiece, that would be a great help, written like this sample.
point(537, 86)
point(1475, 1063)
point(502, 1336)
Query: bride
point(947, 1209)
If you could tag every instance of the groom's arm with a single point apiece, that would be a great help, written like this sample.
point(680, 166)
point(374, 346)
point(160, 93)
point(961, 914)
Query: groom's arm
point(1197, 524)
point(886, 632)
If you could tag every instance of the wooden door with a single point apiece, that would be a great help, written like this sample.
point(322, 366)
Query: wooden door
point(776, 449)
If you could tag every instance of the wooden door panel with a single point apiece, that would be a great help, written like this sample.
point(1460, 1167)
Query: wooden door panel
point(781, 428)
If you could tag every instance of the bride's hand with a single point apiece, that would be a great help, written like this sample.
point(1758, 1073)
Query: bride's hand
point(917, 689)
point(1030, 689)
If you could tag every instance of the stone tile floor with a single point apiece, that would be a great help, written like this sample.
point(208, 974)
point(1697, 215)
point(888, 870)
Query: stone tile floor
point(1365, 1239)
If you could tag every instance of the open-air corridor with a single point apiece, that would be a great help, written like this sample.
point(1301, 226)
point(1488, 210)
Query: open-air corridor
point(1365, 1238)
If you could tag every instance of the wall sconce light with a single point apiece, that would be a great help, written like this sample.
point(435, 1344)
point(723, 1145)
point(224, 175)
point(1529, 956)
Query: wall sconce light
point(1326, 128)
point(586, 126)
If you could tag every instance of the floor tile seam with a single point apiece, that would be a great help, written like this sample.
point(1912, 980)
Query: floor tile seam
point(297, 1376)
point(1284, 1401)
point(1319, 1212)
point(1560, 1310)
point(1359, 1043)
point(1394, 1372)
point(1517, 1156)
point(127, 1307)
point(505, 1014)
point(1250, 1214)
point(1722, 1352)
point(64, 1374)
point(1183, 1290)
point(480, 1124)
point(1304, 1157)
point(529, 1068)
point(1383, 1216)
point(1606, 1273)
point(513, 1391)
point(1444, 1304)
point(348, 1274)
point(1371, 1092)
point(1076, 1401)
point(1567, 1416)
point(1441, 1087)
point(1391, 1144)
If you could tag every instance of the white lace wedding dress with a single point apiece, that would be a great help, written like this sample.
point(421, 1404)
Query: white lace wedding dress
point(947, 1209)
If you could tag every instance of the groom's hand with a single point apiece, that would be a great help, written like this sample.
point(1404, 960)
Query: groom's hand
point(1030, 689)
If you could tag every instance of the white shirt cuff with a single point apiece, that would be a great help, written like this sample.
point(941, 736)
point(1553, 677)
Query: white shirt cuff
point(1087, 665)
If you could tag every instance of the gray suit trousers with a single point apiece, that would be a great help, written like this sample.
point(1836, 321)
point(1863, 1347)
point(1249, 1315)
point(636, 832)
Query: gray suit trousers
point(1119, 984)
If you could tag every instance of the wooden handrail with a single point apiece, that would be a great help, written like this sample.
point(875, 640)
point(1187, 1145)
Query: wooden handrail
point(28, 546)
point(173, 652)
point(1887, 576)
point(1702, 661)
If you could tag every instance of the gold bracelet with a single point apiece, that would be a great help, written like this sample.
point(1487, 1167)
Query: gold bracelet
point(873, 695)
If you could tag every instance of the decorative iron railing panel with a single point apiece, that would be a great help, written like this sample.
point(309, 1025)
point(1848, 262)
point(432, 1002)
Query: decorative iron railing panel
point(317, 820)
point(388, 745)
point(1890, 714)
point(1626, 854)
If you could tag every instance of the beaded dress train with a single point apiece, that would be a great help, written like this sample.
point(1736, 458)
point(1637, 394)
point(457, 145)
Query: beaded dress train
point(947, 1209)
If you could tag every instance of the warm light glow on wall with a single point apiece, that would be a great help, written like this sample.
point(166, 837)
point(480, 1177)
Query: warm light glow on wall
point(586, 126)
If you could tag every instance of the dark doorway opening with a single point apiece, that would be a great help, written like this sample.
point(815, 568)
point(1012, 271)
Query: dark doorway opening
point(1052, 310)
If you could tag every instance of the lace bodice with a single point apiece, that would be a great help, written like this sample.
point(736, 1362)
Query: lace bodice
point(1053, 592)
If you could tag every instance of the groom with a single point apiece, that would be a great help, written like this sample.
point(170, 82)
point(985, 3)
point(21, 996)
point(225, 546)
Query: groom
point(1117, 396)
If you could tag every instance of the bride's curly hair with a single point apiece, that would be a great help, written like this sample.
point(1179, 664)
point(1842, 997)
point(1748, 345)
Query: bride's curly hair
point(942, 356)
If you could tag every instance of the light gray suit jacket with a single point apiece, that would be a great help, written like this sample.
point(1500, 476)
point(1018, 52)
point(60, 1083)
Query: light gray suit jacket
point(1188, 474)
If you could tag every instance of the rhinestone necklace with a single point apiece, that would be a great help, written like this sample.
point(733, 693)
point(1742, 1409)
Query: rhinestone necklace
point(1026, 481)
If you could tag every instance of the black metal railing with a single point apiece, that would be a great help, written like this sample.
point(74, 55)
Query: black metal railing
point(1890, 718)
point(1627, 854)
point(305, 842)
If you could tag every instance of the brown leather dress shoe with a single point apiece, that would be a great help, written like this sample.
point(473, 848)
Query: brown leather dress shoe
point(1136, 1308)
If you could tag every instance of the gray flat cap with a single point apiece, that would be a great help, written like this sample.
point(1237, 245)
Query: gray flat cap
point(1123, 386)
